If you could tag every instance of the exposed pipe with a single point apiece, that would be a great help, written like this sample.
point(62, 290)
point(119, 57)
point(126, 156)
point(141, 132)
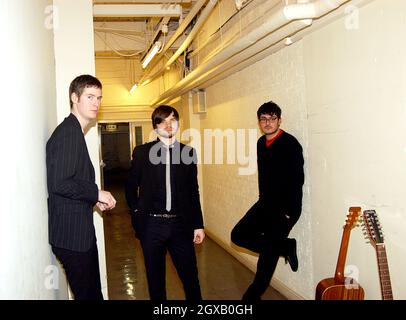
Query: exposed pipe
point(310, 10)
point(207, 82)
point(263, 5)
point(260, 46)
point(274, 21)
point(193, 12)
point(202, 18)
point(247, 54)
point(121, 31)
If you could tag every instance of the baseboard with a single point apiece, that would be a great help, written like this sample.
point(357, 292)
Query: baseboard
point(275, 283)
point(285, 290)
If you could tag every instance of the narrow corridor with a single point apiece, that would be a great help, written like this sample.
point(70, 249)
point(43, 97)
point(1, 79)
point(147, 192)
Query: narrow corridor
point(222, 277)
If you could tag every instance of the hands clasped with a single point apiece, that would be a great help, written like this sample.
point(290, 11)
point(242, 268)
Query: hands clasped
point(106, 201)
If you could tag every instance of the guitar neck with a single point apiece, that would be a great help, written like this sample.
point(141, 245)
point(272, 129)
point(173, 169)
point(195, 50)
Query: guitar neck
point(386, 287)
point(339, 274)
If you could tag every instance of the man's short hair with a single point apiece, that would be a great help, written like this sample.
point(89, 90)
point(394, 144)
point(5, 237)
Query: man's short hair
point(161, 113)
point(79, 84)
point(270, 108)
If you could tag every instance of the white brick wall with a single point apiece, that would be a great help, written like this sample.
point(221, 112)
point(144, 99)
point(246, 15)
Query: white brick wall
point(232, 103)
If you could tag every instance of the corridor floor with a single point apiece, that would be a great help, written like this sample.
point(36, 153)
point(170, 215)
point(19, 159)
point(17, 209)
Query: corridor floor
point(222, 277)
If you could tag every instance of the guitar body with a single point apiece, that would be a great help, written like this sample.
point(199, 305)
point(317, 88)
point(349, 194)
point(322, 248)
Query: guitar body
point(330, 289)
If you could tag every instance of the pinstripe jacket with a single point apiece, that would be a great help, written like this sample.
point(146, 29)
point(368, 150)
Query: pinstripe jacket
point(72, 191)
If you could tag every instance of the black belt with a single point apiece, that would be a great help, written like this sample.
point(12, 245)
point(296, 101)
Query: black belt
point(163, 215)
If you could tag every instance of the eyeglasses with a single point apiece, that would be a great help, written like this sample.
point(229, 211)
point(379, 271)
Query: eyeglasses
point(265, 120)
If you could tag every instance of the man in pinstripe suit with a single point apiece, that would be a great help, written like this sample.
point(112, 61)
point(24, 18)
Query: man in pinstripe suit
point(72, 192)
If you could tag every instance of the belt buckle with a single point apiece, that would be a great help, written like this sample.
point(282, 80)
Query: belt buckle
point(163, 215)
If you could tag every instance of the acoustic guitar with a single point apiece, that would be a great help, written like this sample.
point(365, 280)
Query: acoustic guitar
point(375, 235)
point(341, 287)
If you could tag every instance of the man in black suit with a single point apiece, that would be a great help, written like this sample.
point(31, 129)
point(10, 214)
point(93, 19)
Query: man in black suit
point(72, 192)
point(163, 195)
point(265, 227)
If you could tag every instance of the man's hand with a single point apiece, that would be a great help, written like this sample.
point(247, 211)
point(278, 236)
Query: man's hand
point(198, 236)
point(101, 206)
point(106, 201)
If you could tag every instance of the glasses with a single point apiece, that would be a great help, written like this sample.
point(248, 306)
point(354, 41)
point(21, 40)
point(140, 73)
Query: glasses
point(265, 120)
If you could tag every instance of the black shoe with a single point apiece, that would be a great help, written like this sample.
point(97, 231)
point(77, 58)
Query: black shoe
point(252, 294)
point(291, 255)
point(249, 297)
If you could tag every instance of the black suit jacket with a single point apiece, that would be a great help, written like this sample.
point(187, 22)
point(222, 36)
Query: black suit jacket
point(72, 191)
point(143, 182)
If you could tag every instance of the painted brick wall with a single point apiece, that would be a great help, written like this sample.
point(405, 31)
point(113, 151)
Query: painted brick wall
point(232, 104)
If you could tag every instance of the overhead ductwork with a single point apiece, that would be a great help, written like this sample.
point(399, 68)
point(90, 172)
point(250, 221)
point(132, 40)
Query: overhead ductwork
point(202, 18)
point(278, 23)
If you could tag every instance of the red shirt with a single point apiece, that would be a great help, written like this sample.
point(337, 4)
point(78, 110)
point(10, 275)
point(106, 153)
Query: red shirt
point(269, 142)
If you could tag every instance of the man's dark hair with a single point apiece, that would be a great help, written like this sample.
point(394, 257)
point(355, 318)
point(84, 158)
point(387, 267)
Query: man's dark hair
point(161, 113)
point(270, 108)
point(79, 84)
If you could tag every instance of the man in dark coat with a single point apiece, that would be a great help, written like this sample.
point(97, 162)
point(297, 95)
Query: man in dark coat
point(265, 227)
point(163, 195)
point(72, 192)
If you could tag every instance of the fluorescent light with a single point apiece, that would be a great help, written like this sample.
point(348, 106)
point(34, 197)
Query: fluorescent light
point(154, 50)
point(133, 87)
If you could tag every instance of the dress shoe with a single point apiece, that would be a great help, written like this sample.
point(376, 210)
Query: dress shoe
point(250, 296)
point(291, 255)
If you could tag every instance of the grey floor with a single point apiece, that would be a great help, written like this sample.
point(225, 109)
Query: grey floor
point(222, 277)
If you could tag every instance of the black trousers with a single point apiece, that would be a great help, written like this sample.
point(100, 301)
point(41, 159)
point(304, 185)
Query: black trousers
point(162, 235)
point(82, 272)
point(264, 233)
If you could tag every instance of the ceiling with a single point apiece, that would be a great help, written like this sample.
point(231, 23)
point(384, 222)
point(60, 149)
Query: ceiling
point(130, 28)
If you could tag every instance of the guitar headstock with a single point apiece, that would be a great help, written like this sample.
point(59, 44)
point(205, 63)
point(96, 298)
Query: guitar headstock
point(352, 217)
point(373, 226)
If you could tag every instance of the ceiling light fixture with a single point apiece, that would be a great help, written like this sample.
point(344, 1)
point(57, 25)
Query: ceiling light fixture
point(133, 87)
point(154, 50)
